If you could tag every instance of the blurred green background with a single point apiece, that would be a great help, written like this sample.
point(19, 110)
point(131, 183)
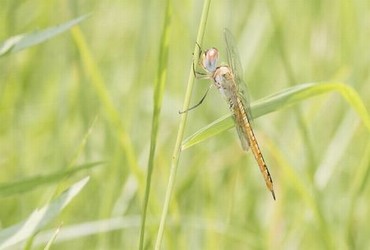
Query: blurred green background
point(318, 152)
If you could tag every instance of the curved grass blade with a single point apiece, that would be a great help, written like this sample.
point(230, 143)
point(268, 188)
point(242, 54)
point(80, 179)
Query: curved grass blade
point(53, 238)
point(280, 100)
point(40, 217)
point(29, 184)
point(110, 111)
point(23, 41)
point(298, 183)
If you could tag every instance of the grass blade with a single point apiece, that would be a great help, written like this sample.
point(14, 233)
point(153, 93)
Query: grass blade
point(92, 70)
point(158, 97)
point(31, 183)
point(177, 149)
point(40, 217)
point(298, 183)
point(280, 100)
point(52, 239)
point(23, 41)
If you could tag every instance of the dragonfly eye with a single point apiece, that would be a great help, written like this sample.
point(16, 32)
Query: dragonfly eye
point(209, 60)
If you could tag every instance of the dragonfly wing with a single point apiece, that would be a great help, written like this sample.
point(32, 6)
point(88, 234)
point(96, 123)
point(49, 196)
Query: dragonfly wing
point(233, 60)
point(232, 54)
point(244, 97)
point(243, 140)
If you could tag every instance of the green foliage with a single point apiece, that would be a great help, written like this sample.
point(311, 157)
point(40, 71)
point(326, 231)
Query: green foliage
point(285, 98)
point(24, 41)
point(100, 96)
point(39, 218)
point(29, 184)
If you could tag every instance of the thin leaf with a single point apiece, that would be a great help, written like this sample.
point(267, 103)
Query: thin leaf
point(180, 134)
point(39, 218)
point(29, 184)
point(52, 239)
point(298, 183)
point(23, 41)
point(100, 86)
point(280, 100)
point(158, 97)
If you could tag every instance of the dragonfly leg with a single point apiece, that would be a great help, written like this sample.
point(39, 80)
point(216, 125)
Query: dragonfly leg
point(199, 49)
point(199, 103)
point(197, 74)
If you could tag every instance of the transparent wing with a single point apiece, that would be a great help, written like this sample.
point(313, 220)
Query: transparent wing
point(235, 65)
point(243, 140)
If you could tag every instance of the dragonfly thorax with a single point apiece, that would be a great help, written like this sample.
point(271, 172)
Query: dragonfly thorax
point(222, 77)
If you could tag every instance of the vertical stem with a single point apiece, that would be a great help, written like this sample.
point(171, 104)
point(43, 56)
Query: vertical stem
point(157, 100)
point(180, 134)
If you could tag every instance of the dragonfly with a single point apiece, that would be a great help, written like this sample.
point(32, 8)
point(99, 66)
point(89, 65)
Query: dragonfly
point(227, 79)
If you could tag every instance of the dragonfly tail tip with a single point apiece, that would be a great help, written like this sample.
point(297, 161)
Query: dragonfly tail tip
point(273, 195)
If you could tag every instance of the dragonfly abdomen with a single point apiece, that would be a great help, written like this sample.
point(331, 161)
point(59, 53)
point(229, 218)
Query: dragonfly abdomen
point(243, 121)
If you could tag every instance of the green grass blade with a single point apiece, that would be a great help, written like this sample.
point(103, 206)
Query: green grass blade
point(177, 149)
point(39, 218)
point(283, 99)
point(97, 82)
point(158, 97)
point(29, 184)
point(357, 190)
point(23, 41)
point(63, 184)
point(298, 183)
point(52, 239)
point(83, 143)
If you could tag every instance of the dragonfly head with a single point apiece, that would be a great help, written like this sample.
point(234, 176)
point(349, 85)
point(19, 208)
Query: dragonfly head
point(209, 59)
